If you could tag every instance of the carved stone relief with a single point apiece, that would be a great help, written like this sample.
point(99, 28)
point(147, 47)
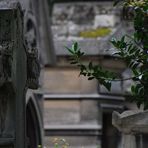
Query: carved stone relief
point(33, 66)
point(33, 70)
point(6, 51)
point(5, 61)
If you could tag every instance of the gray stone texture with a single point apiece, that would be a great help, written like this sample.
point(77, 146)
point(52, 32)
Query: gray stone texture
point(104, 20)
point(75, 117)
point(73, 120)
point(130, 123)
point(71, 112)
point(69, 19)
point(82, 141)
point(61, 112)
point(13, 89)
point(67, 81)
point(80, 13)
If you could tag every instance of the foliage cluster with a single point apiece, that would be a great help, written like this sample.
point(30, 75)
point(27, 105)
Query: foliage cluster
point(91, 71)
point(132, 49)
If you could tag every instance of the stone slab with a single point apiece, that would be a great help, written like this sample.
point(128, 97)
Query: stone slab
point(104, 20)
point(67, 81)
point(61, 112)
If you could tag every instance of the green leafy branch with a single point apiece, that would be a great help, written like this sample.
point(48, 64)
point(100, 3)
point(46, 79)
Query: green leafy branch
point(132, 49)
point(91, 71)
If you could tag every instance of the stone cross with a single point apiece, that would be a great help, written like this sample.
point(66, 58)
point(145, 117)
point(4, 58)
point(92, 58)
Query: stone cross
point(19, 70)
point(130, 123)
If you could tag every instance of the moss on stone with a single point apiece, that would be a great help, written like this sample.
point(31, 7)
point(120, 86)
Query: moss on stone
point(94, 33)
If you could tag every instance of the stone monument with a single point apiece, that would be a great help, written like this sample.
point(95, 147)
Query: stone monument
point(19, 70)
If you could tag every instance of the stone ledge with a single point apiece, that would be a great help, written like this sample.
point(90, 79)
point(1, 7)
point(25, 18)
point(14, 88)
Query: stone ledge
point(111, 106)
point(74, 127)
point(99, 97)
point(73, 130)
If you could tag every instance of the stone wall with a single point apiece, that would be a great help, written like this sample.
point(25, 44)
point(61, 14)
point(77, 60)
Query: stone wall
point(73, 105)
point(81, 22)
point(71, 18)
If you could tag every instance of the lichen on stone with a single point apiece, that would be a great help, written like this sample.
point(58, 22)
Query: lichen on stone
point(95, 33)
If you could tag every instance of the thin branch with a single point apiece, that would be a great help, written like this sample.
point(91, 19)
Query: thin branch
point(125, 79)
point(108, 79)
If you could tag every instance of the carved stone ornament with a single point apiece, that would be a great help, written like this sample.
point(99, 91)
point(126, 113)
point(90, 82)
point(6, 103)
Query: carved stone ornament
point(33, 66)
point(33, 70)
point(6, 50)
point(5, 62)
point(131, 121)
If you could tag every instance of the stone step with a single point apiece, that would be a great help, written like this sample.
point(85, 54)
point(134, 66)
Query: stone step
point(98, 97)
point(75, 141)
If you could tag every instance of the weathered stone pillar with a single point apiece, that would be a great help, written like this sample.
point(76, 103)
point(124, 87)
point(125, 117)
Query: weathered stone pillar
point(130, 123)
point(128, 141)
point(19, 70)
point(13, 76)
